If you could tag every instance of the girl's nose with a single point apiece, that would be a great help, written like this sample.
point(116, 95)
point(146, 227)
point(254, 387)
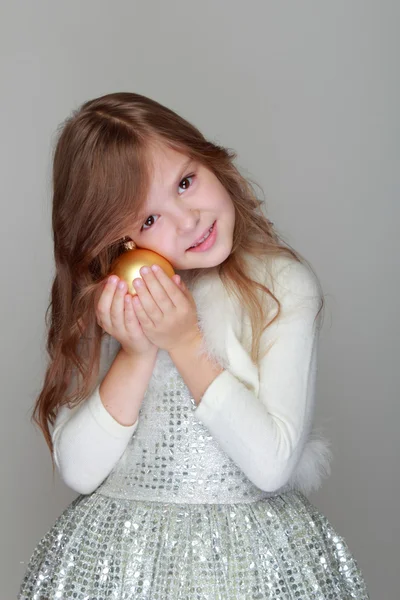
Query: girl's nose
point(188, 221)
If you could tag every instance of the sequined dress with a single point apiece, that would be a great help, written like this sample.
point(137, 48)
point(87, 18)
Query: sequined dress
point(176, 519)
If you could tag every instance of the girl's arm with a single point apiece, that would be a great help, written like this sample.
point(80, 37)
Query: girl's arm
point(265, 434)
point(90, 438)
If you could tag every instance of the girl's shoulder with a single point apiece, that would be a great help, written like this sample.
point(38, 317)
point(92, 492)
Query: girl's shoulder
point(286, 277)
point(290, 281)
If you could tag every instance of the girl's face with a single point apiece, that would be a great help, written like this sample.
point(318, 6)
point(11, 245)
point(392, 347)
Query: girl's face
point(184, 200)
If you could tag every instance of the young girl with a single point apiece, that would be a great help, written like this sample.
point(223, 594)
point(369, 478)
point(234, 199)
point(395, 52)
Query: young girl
point(182, 414)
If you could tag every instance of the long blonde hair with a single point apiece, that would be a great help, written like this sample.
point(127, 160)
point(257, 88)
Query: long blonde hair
point(100, 179)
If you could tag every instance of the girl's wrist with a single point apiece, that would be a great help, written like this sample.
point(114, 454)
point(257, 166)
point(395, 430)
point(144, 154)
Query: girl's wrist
point(133, 355)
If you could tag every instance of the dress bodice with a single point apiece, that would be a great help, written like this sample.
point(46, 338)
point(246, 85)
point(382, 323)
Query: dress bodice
point(172, 456)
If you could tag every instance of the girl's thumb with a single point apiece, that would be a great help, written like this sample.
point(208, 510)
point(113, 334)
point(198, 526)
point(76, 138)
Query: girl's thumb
point(180, 282)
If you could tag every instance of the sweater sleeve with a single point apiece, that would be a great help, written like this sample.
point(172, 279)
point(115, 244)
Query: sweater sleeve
point(87, 440)
point(265, 434)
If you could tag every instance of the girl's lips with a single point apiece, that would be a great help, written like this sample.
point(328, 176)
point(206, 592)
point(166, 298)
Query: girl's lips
point(208, 242)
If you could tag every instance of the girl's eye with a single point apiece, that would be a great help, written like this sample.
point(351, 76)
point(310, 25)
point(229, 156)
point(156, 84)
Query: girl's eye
point(187, 184)
point(186, 179)
point(143, 228)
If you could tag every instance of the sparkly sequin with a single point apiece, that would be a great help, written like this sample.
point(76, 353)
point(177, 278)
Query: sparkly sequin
point(176, 519)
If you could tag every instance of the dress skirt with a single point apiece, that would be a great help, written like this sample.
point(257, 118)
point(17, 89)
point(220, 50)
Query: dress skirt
point(282, 547)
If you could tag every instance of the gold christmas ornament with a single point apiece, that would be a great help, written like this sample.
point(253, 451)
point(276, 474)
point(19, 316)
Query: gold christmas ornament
point(128, 265)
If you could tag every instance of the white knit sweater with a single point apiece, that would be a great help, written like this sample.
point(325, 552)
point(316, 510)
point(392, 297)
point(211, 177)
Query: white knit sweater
point(262, 415)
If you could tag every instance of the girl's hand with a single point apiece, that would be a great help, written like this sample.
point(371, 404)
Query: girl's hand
point(165, 309)
point(115, 314)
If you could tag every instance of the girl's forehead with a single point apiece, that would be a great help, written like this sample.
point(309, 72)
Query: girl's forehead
point(165, 167)
point(163, 159)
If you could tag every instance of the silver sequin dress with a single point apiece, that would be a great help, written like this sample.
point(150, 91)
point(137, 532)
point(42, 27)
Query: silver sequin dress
point(176, 519)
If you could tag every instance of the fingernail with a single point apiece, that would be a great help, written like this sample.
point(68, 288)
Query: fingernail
point(112, 279)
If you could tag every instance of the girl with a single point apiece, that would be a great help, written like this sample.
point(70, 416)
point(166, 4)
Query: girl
point(183, 415)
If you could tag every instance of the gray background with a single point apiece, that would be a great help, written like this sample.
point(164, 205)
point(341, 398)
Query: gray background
point(307, 94)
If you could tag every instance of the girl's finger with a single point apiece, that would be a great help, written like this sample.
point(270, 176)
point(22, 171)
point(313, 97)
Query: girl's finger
point(132, 324)
point(141, 313)
point(154, 296)
point(173, 288)
point(148, 298)
point(105, 301)
point(117, 307)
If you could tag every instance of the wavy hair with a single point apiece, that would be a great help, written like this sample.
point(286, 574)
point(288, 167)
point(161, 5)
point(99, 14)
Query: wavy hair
point(100, 180)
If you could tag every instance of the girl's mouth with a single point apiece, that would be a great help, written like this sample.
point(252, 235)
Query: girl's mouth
point(208, 242)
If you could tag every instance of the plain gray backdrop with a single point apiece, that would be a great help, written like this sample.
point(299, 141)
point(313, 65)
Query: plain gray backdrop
point(308, 95)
